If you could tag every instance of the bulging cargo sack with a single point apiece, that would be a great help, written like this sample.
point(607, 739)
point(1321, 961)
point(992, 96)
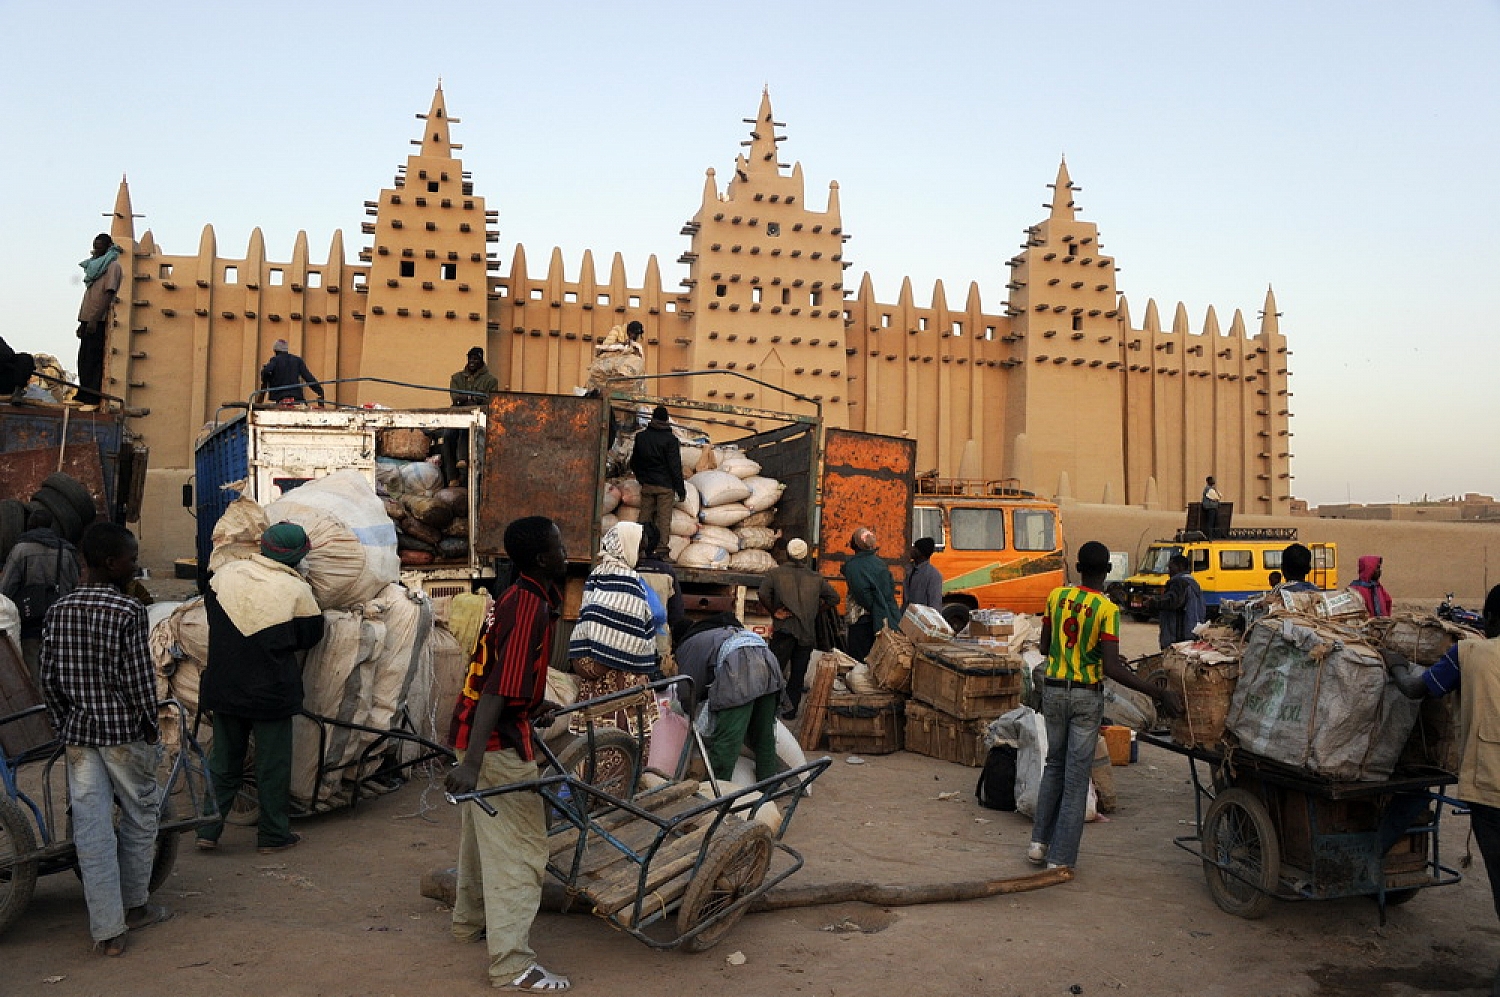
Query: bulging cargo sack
point(1205, 676)
point(702, 555)
point(756, 537)
point(236, 535)
point(611, 497)
point(740, 467)
point(1316, 696)
point(676, 545)
point(756, 561)
point(764, 493)
point(353, 542)
point(719, 536)
point(727, 515)
point(691, 503)
point(683, 525)
point(434, 689)
point(719, 487)
point(417, 478)
point(337, 679)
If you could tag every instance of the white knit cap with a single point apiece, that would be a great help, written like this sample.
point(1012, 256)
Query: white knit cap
point(796, 549)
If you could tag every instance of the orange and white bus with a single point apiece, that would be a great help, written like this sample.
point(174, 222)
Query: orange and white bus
point(996, 546)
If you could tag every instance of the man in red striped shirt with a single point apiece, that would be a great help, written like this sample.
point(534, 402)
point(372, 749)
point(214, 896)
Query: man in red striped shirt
point(501, 859)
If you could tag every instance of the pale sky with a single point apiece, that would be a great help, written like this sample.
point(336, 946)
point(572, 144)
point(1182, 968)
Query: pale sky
point(1342, 152)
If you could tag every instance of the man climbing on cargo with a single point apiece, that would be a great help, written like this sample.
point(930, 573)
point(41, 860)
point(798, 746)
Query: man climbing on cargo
point(501, 858)
point(793, 593)
point(261, 616)
point(656, 461)
point(466, 388)
point(872, 593)
point(1081, 635)
point(1373, 594)
point(1473, 665)
point(284, 374)
point(1180, 606)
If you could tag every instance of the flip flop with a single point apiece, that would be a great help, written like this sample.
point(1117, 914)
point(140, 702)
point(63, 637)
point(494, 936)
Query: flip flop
point(537, 980)
point(146, 915)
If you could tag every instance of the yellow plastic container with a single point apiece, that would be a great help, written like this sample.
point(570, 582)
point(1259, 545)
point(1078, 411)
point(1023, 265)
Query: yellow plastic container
point(1118, 740)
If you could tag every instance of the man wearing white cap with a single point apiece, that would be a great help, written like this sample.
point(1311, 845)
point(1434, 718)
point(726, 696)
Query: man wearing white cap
point(284, 374)
point(792, 594)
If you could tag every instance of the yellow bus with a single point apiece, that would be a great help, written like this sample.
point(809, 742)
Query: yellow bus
point(996, 546)
point(1236, 567)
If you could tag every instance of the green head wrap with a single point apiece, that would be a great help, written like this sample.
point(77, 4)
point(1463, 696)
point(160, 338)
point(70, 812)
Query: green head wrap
point(285, 543)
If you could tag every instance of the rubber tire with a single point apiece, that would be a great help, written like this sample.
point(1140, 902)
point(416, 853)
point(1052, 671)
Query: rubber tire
point(245, 810)
point(76, 495)
point(13, 514)
point(615, 753)
point(734, 867)
point(19, 880)
point(64, 516)
point(1237, 825)
point(167, 843)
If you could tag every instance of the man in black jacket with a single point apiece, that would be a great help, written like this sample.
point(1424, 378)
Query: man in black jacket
point(657, 463)
point(42, 568)
point(261, 615)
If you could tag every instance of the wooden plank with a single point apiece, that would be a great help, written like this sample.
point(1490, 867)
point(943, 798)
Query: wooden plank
point(599, 854)
point(654, 800)
point(817, 706)
point(676, 858)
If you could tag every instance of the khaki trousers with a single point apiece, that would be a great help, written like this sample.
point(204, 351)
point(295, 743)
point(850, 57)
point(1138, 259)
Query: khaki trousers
point(501, 861)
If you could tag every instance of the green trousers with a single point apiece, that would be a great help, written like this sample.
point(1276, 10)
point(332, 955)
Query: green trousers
point(273, 773)
point(753, 724)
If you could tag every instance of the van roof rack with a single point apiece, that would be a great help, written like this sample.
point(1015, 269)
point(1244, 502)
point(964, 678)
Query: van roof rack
point(931, 484)
point(1287, 533)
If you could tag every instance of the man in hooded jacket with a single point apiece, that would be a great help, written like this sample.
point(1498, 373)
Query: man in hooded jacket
point(657, 463)
point(42, 568)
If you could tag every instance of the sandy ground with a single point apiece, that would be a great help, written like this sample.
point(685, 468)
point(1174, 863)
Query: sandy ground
point(342, 915)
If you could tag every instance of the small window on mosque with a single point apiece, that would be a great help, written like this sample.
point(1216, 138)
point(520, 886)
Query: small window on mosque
point(720, 290)
point(449, 271)
point(815, 298)
point(1077, 322)
point(231, 275)
point(432, 186)
point(408, 268)
point(277, 276)
point(314, 279)
point(166, 271)
point(786, 296)
point(755, 294)
point(773, 228)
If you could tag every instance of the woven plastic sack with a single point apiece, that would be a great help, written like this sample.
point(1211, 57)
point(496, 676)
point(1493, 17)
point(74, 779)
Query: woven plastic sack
point(337, 684)
point(756, 537)
point(611, 497)
point(703, 555)
point(740, 467)
point(720, 487)
point(237, 533)
point(676, 545)
point(729, 514)
point(758, 561)
point(353, 553)
point(764, 518)
point(406, 616)
point(764, 493)
point(691, 503)
point(418, 478)
point(683, 525)
point(719, 536)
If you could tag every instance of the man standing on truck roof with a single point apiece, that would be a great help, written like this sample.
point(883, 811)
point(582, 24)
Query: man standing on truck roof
point(502, 857)
point(466, 388)
point(102, 277)
point(1081, 635)
point(793, 593)
point(872, 593)
point(1210, 506)
point(261, 615)
point(284, 374)
point(924, 586)
point(1180, 606)
point(657, 462)
point(1474, 665)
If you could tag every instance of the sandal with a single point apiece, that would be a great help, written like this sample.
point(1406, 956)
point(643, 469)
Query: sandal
point(113, 947)
point(537, 980)
point(146, 915)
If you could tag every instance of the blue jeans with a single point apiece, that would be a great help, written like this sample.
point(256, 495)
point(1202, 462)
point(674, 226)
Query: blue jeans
point(115, 864)
point(1073, 717)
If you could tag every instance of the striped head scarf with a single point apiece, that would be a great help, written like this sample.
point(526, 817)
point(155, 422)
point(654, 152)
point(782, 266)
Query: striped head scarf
point(615, 624)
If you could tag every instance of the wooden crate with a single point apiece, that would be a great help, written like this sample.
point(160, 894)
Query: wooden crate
point(867, 724)
point(966, 682)
point(938, 735)
point(890, 661)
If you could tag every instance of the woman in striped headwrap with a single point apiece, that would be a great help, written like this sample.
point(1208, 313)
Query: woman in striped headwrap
point(614, 644)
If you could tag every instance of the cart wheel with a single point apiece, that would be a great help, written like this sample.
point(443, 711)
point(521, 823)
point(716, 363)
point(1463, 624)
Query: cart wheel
point(17, 879)
point(1238, 834)
point(245, 810)
point(164, 858)
point(610, 768)
point(734, 867)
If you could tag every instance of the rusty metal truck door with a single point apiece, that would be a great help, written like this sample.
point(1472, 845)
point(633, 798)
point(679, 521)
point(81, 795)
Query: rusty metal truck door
point(868, 480)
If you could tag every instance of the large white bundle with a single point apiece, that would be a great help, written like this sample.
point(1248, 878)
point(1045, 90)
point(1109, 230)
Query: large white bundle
point(407, 616)
point(435, 688)
point(676, 545)
point(630, 492)
point(353, 541)
point(756, 537)
point(337, 684)
point(728, 514)
point(740, 467)
point(703, 555)
point(764, 493)
point(237, 533)
point(752, 560)
point(720, 487)
point(683, 525)
point(719, 536)
point(691, 502)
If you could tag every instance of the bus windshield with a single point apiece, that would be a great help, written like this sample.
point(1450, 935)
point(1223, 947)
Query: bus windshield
point(1157, 558)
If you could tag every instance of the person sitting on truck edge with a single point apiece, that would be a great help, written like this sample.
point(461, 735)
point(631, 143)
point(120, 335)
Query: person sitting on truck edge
point(1376, 599)
point(657, 463)
point(284, 374)
point(1210, 506)
point(1180, 605)
point(466, 388)
point(41, 568)
point(1296, 562)
point(613, 647)
point(1081, 637)
point(793, 593)
point(100, 688)
point(1474, 665)
point(872, 593)
point(662, 579)
point(737, 676)
point(924, 586)
point(261, 614)
point(502, 858)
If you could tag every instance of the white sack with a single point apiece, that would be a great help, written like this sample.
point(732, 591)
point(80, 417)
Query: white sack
point(683, 525)
point(353, 553)
point(719, 536)
point(691, 502)
point(719, 487)
point(764, 493)
point(729, 514)
point(758, 561)
point(702, 555)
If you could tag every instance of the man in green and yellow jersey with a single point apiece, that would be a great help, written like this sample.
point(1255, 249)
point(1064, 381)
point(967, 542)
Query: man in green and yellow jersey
point(1081, 634)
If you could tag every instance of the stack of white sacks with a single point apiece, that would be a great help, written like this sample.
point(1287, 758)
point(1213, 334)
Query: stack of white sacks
point(725, 520)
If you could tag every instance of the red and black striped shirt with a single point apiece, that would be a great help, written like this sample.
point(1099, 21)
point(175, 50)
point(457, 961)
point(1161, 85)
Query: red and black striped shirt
point(510, 661)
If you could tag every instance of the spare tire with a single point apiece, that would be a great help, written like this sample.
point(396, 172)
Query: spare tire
point(64, 517)
point(74, 491)
point(12, 524)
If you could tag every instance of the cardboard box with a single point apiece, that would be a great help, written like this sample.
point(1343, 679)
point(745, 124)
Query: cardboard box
point(923, 623)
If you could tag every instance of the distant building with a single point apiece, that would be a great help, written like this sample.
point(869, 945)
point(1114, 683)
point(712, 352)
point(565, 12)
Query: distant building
point(1057, 386)
point(1470, 508)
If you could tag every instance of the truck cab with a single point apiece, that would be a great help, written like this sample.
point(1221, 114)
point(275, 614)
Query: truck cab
point(1237, 566)
point(996, 546)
